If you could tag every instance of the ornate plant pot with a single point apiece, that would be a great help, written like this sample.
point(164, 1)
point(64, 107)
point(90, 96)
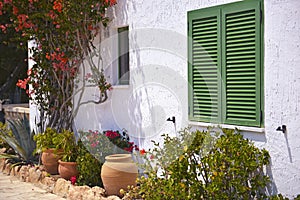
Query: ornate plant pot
point(118, 171)
point(50, 161)
point(67, 169)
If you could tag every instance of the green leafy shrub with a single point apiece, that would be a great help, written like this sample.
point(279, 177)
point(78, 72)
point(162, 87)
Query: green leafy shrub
point(89, 168)
point(67, 142)
point(203, 165)
point(3, 143)
point(46, 140)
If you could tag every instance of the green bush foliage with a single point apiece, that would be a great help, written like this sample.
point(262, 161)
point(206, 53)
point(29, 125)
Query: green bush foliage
point(89, 167)
point(46, 140)
point(203, 165)
point(3, 143)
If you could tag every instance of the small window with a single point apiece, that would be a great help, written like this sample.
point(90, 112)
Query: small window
point(225, 64)
point(123, 62)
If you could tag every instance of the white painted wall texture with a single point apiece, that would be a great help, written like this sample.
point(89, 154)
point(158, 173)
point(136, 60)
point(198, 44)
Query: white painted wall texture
point(158, 86)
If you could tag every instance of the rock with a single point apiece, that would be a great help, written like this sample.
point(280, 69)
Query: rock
point(7, 168)
point(77, 192)
point(61, 187)
point(95, 193)
point(41, 167)
point(34, 175)
point(47, 183)
point(44, 174)
point(2, 150)
point(98, 191)
point(2, 164)
point(113, 197)
point(15, 170)
point(24, 173)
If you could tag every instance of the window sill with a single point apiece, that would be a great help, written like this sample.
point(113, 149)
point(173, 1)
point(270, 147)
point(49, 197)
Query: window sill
point(241, 128)
point(120, 86)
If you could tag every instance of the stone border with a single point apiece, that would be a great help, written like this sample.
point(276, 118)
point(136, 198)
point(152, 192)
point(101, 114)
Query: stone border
point(53, 184)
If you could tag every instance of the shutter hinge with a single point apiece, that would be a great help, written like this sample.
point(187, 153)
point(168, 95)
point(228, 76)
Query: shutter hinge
point(261, 116)
point(189, 110)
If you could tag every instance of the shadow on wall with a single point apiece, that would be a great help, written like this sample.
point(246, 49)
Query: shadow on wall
point(272, 188)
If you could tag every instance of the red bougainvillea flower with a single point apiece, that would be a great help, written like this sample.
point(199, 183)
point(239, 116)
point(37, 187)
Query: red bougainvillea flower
point(22, 83)
point(48, 56)
point(15, 10)
point(73, 180)
point(29, 72)
point(112, 134)
point(7, 1)
point(57, 5)
point(111, 2)
point(129, 149)
point(151, 157)
point(142, 152)
point(3, 28)
point(52, 15)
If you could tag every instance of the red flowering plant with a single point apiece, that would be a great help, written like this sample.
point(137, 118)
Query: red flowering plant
point(63, 32)
point(101, 144)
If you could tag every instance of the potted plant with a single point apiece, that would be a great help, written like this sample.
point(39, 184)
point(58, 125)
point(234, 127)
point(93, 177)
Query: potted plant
point(113, 149)
point(67, 166)
point(46, 143)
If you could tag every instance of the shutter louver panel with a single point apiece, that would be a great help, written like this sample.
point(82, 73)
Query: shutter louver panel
point(225, 64)
point(204, 68)
point(241, 72)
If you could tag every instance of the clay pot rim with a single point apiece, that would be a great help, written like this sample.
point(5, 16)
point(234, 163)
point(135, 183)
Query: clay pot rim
point(52, 150)
point(69, 163)
point(118, 157)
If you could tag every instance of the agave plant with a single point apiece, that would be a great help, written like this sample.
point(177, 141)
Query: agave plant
point(19, 137)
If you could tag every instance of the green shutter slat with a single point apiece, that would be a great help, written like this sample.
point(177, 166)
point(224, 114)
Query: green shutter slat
point(241, 61)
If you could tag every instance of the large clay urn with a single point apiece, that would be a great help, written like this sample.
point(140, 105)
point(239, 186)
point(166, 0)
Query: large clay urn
point(118, 171)
point(67, 169)
point(50, 160)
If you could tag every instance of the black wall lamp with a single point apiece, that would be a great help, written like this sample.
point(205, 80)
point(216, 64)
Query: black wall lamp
point(281, 128)
point(171, 119)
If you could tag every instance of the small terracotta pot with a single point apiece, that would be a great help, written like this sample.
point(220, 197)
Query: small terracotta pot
point(67, 169)
point(118, 171)
point(50, 161)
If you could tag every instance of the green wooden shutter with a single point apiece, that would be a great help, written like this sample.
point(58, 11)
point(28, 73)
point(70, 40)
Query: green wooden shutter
point(241, 63)
point(204, 65)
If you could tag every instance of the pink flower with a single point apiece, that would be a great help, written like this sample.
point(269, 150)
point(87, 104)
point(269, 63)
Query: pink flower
point(73, 180)
point(87, 76)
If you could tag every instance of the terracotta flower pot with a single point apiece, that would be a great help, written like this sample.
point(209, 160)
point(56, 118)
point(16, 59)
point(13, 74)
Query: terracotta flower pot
point(118, 171)
point(67, 169)
point(50, 161)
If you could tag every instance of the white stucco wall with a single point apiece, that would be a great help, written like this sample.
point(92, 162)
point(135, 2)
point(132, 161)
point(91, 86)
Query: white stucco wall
point(282, 91)
point(158, 87)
